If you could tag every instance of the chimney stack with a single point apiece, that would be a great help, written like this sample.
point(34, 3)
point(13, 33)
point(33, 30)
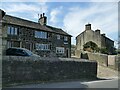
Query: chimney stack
point(43, 19)
point(2, 14)
point(97, 32)
point(88, 26)
point(103, 34)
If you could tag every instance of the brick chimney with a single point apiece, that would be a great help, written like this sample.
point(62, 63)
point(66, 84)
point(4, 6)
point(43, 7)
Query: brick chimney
point(88, 26)
point(43, 19)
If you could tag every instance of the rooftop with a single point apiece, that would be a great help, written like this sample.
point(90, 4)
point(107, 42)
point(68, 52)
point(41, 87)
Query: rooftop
point(30, 24)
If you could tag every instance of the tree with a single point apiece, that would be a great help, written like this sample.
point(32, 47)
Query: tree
point(104, 50)
point(91, 47)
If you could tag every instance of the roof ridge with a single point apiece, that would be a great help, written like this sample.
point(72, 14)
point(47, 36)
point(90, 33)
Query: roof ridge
point(31, 24)
point(21, 18)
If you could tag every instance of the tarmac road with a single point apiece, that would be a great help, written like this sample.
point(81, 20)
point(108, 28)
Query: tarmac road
point(112, 83)
point(103, 84)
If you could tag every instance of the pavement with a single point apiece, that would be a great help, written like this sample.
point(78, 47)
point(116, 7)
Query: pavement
point(105, 72)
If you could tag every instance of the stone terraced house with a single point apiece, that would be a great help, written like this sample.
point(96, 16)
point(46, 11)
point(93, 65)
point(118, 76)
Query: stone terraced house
point(38, 37)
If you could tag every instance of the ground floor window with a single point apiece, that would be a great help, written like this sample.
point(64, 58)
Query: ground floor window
point(42, 46)
point(13, 44)
point(60, 50)
point(9, 44)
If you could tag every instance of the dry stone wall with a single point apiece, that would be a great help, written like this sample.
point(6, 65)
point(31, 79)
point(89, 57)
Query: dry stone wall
point(22, 69)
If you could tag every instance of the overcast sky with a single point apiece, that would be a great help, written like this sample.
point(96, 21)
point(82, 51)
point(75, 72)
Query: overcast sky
point(71, 15)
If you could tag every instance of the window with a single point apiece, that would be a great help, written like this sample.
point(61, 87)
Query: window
point(12, 30)
point(9, 44)
point(60, 50)
point(42, 46)
point(41, 34)
point(65, 38)
point(15, 31)
point(13, 44)
point(58, 36)
point(9, 30)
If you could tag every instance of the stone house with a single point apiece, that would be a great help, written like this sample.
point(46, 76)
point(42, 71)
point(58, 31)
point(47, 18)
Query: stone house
point(101, 40)
point(38, 37)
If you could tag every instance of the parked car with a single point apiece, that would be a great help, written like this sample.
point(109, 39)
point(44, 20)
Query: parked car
point(19, 52)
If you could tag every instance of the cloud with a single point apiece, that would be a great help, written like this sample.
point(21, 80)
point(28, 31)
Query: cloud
point(54, 13)
point(60, 0)
point(104, 0)
point(26, 10)
point(24, 1)
point(102, 16)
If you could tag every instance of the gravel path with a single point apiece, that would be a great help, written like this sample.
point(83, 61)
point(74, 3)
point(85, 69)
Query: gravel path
point(105, 72)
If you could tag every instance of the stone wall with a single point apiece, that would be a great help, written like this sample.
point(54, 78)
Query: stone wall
point(111, 61)
point(0, 55)
point(117, 63)
point(27, 69)
point(77, 53)
point(102, 59)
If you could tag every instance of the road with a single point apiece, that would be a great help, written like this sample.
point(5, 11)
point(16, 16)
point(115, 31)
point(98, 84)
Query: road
point(113, 83)
point(102, 84)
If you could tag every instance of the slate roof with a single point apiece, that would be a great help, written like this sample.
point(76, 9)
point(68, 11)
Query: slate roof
point(30, 24)
point(57, 30)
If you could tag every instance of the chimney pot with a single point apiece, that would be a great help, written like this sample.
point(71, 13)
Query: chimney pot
point(43, 14)
point(40, 15)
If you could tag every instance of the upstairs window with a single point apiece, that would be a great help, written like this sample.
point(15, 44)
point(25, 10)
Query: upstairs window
point(12, 30)
point(41, 34)
point(58, 37)
point(9, 30)
point(15, 31)
point(65, 38)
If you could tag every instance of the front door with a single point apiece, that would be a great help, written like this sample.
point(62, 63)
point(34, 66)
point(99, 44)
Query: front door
point(67, 53)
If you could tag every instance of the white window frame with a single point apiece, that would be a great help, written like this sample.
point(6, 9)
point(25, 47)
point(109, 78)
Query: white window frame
point(60, 50)
point(9, 30)
point(58, 36)
point(9, 44)
point(15, 31)
point(42, 46)
point(65, 38)
point(40, 34)
point(12, 30)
